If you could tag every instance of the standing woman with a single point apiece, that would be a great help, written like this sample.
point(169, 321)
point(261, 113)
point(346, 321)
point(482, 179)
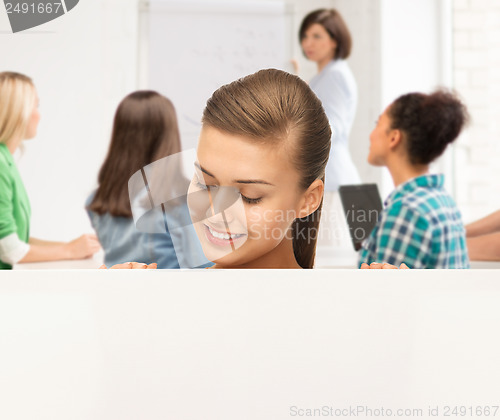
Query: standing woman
point(19, 117)
point(326, 40)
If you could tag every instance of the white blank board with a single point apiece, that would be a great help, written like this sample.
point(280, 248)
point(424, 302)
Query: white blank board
point(189, 49)
point(245, 344)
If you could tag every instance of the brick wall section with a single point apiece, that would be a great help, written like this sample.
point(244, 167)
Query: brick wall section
point(477, 78)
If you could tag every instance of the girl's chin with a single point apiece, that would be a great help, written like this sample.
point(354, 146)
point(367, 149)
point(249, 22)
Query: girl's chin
point(228, 261)
point(375, 162)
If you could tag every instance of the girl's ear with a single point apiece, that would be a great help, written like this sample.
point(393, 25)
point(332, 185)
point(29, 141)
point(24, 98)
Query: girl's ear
point(312, 198)
point(396, 139)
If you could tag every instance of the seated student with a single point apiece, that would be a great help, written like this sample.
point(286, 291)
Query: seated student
point(483, 238)
point(420, 225)
point(256, 196)
point(144, 130)
point(19, 117)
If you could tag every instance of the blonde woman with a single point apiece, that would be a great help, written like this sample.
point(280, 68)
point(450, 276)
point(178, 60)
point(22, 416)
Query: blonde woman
point(19, 117)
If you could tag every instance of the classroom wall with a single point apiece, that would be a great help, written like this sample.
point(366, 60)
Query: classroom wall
point(82, 64)
point(476, 35)
point(393, 55)
point(364, 20)
point(410, 59)
point(85, 62)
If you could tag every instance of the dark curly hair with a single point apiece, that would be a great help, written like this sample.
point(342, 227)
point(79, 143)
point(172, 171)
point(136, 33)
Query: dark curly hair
point(428, 123)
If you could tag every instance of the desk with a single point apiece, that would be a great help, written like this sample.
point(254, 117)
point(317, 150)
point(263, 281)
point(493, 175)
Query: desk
point(489, 265)
point(348, 258)
point(246, 344)
point(325, 258)
point(90, 263)
point(336, 257)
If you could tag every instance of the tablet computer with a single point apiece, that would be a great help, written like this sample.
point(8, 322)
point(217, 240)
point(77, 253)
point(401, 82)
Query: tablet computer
point(362, 207)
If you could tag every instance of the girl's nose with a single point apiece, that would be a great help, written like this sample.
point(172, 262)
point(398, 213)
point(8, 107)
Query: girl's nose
point(221, 201)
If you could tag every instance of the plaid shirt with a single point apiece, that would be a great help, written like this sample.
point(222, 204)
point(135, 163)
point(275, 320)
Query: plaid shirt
point(420, 226)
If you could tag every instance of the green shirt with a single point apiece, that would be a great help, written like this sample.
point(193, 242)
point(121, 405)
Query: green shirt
point(15, 209)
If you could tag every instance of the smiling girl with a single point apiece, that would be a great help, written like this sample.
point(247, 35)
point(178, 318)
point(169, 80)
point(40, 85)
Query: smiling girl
point(256, 196)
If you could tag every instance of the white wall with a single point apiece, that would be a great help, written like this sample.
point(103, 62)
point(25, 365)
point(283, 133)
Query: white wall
point(392, 54)
point(82, 64)
point(477, 78)
point(411, 56)
point(363, 19)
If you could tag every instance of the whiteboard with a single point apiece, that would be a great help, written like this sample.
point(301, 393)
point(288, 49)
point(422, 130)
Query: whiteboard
point(189, 49)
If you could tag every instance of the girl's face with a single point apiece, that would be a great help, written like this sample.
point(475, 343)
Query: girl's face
point(380, 141)
point(317, 44)
point(32, 127)
point(251, 231)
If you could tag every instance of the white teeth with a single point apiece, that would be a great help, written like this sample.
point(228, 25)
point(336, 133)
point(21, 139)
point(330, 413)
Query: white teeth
point(220, 235)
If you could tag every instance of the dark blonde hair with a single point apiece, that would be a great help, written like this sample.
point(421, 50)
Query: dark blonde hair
point(144, 130)
point(17, 101)
point(274, 107)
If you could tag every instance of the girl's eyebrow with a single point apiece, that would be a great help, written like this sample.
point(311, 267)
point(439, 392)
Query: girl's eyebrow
point(253, 181)
point(238, 181)
point(203, 170)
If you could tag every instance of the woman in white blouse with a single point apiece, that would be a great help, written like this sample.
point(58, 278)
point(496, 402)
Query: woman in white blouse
point(326, 40)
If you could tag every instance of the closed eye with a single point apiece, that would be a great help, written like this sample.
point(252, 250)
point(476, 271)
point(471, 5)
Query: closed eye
point(251, 200)
point(246, 199)
point(203, 186)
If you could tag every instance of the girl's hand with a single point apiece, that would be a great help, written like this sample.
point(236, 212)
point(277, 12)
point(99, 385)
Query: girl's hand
point(131, 266)
point(83, 247)
point(385, 266)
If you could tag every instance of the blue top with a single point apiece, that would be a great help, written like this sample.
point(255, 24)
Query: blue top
point(121, 241)
point(420, 226)
point(336, 87)
point(168, 240)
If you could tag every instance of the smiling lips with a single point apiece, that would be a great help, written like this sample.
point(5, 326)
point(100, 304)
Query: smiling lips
point(221, 238)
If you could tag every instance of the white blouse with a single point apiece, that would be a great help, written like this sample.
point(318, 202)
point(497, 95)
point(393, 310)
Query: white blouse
point(336, 87)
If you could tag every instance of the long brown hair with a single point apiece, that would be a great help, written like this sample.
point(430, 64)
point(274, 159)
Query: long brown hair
point(272, 106)
point(144, 130)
